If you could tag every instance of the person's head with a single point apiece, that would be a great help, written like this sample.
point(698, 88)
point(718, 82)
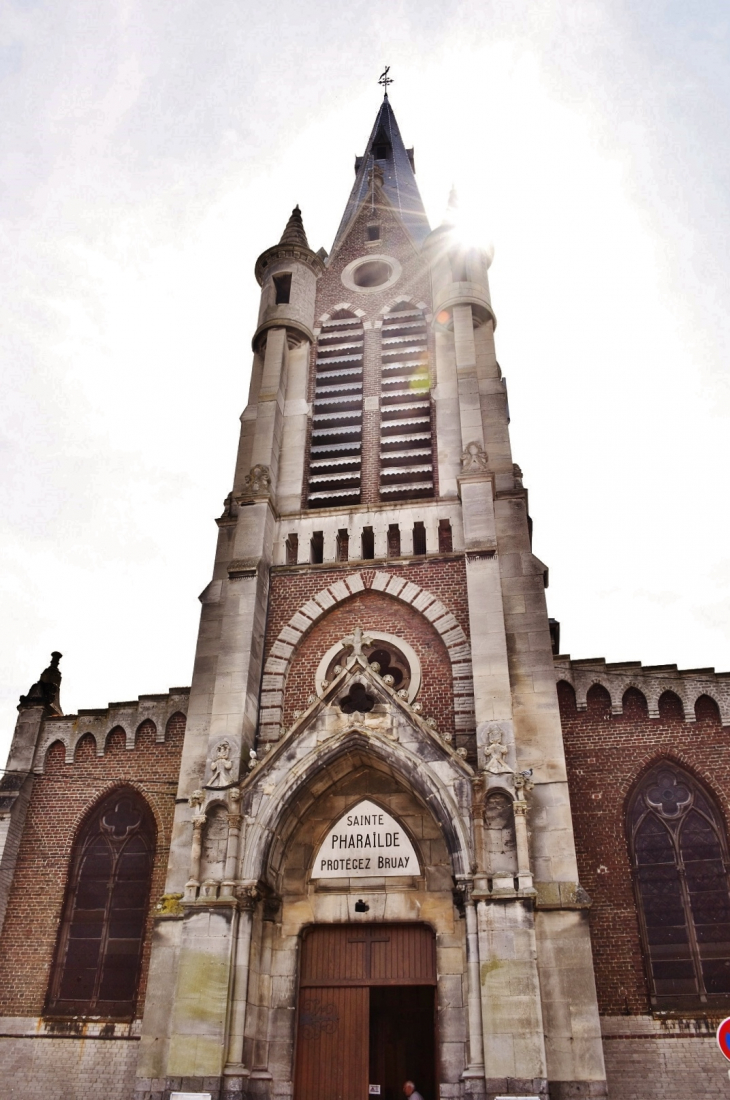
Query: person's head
point(408, 1088)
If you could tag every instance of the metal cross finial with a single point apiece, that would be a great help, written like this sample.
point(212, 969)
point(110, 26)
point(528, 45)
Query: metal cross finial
point(385, 80)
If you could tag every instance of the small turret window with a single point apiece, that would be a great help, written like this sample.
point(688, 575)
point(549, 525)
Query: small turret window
point(282, 286)
point(368, 542)
point(373, 232)
point(316, 546)
point(381, 151)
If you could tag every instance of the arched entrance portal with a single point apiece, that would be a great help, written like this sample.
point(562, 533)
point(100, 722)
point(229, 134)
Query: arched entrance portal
point(366, 1013)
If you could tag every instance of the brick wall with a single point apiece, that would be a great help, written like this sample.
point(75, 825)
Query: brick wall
point(666, 1059)
point(605, 755)
point(445, 578)
point(60, 800)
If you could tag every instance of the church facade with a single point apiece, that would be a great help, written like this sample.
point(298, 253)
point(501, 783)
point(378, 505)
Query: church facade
point(388, 832)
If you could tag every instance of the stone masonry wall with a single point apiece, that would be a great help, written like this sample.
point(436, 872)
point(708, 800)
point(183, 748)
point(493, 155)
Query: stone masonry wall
point(68, 1068)
point(61, 798)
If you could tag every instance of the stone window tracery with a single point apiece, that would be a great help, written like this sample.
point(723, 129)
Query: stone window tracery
point(393, 656)
point(99, 951)
point(680, 865)
point(389, 659)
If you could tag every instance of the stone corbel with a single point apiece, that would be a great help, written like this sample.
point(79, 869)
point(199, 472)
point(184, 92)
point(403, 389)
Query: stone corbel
point(256, 485)
point(474, 459)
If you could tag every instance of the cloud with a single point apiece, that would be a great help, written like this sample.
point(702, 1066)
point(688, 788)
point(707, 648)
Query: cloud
point(151, 151)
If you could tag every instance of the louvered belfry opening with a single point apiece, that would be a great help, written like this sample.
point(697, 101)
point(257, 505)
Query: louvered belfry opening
point(336, 443)
point(406, 449)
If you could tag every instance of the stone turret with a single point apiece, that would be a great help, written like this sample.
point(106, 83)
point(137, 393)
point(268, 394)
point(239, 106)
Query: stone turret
point(459, 270)
point(287, 274)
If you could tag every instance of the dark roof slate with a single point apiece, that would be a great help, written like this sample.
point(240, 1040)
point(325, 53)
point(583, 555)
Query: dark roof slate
point(399, 180)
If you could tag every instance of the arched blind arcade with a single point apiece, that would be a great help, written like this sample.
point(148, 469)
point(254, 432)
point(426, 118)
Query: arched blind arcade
point(334, 465)
point(680, 861)
point(99, 952)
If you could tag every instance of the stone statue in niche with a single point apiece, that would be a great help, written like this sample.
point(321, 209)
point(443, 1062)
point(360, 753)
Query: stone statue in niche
point(474, 459)
point(215, 841)
point(499, 835)
point(375, 178)
point(495, 753)
point(220, 766)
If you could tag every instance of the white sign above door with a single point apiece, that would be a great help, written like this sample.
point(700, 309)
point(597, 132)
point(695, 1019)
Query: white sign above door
point(365, 843)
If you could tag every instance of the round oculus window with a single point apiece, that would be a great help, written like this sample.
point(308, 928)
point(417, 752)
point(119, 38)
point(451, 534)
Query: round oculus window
point(371, 273)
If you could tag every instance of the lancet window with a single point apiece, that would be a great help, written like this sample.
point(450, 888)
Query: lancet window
point(335, 452)
point(406, 451)
point(680, 864)
point(99, 951)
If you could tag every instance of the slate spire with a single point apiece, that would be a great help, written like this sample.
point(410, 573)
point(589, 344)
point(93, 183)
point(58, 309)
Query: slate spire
point(386, 151)
point(294, 232)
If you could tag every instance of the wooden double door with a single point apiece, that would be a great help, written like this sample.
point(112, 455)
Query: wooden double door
point(366, 1012)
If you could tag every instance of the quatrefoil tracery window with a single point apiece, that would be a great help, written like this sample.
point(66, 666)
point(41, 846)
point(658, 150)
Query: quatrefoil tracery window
point(680, 862)
point(99, 951)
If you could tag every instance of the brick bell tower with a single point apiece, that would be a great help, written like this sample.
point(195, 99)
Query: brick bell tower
point(375, 629)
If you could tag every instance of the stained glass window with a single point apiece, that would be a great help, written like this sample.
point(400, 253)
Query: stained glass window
point(97, 965)
point(680, 860)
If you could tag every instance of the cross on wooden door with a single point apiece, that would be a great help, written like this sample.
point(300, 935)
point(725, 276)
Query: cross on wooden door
point(369, 938)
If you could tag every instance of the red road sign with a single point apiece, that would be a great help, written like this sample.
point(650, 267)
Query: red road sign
point(723, 1037)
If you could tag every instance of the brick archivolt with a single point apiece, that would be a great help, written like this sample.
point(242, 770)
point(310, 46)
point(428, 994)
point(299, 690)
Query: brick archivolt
point(282, 651)
point(687, 685)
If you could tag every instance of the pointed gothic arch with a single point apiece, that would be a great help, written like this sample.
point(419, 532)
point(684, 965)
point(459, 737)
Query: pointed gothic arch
point(679, 857)
point(326, 765)
point(98, 955)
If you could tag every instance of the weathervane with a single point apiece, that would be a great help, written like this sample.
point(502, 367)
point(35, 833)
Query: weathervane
point(385, 80)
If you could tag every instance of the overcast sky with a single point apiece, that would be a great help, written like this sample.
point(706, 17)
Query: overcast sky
point(151, 150)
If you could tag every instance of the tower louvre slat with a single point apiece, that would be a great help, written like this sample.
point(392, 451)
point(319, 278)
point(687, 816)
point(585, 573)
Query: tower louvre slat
point(331, 422)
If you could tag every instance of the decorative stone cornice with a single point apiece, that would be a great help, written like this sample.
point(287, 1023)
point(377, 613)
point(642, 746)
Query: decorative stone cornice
point(651, 680)
point(286, 251)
